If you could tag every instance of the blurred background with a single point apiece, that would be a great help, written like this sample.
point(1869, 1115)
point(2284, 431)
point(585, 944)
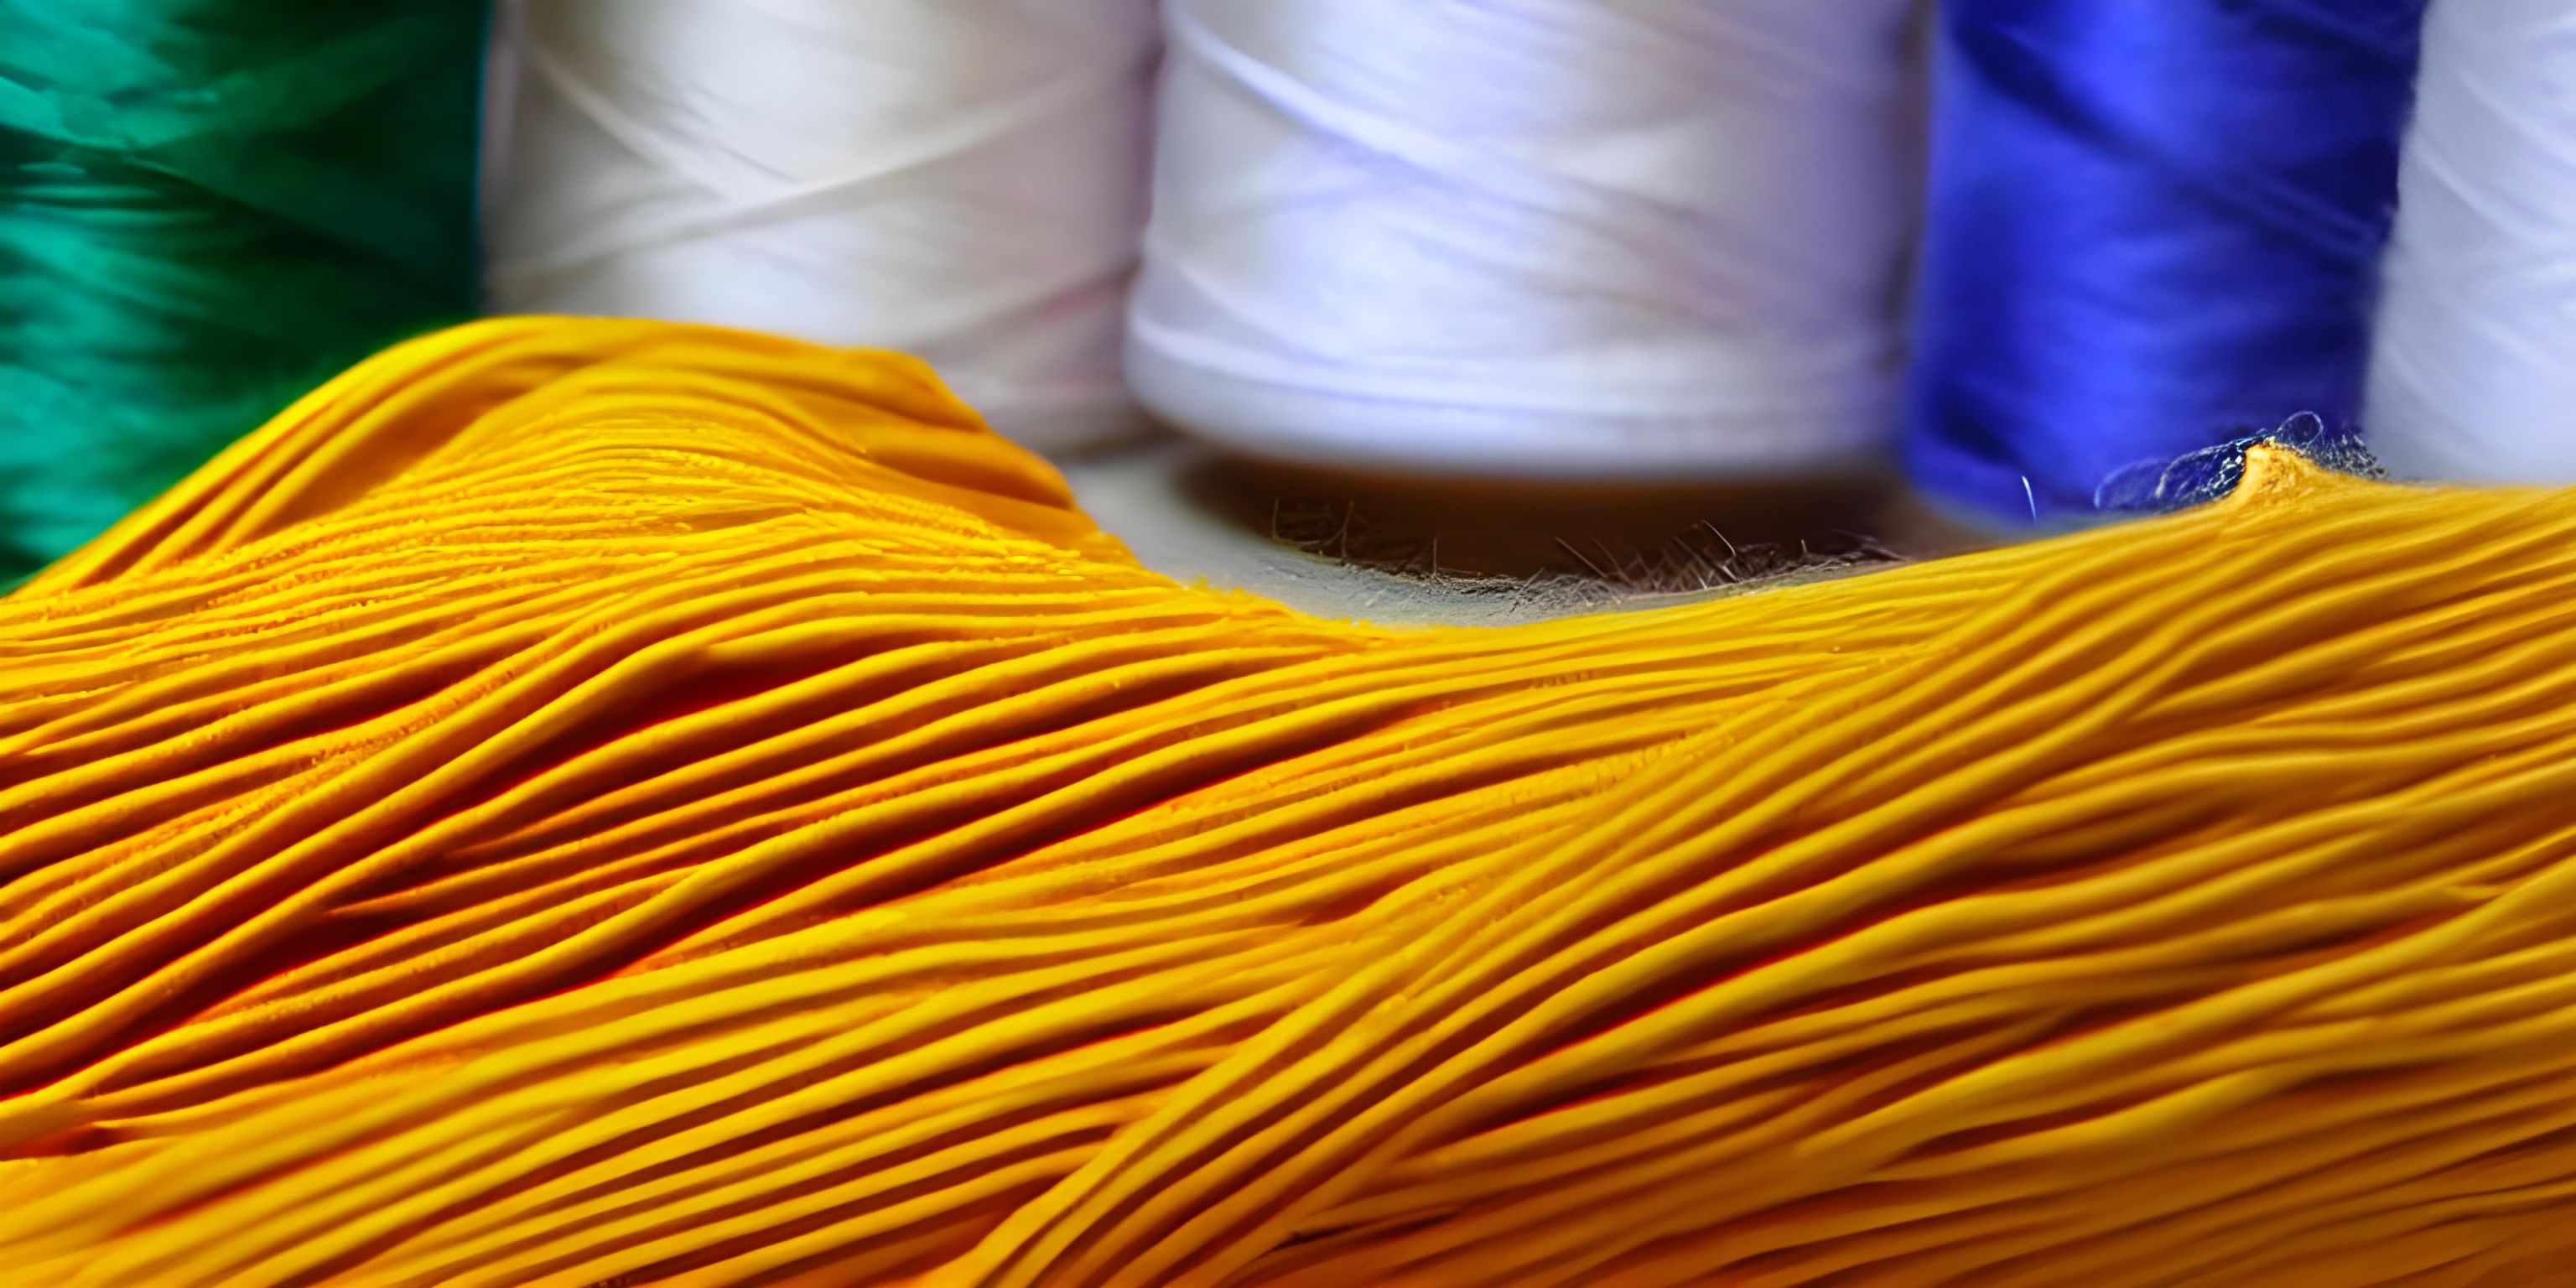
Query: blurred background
point(1451, 309)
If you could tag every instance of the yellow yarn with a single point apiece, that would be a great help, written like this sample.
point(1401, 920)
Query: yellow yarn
point(607, 801)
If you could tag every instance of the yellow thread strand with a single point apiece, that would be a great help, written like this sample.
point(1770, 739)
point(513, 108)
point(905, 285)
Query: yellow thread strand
point(575, 801)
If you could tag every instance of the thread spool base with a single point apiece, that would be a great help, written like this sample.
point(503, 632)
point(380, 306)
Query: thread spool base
point(1311, 427)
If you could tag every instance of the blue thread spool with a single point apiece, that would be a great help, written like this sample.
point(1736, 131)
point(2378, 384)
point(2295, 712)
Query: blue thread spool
point(2154, 226)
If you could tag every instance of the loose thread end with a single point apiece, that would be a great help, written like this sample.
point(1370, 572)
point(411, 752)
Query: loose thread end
point(2302, 453)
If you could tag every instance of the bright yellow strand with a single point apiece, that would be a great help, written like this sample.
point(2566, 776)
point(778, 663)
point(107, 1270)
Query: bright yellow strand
point(581, 801)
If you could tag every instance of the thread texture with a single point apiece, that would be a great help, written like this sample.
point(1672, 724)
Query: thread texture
point(2152, 229)
point(2469, 378)
point(1551, 237)
point(581, 801)
point(206, 208)
point(962, 179)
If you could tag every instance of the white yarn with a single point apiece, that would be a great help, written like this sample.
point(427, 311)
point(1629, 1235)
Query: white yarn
point(2473, 368)
point(961, 179)
point(1532, 237)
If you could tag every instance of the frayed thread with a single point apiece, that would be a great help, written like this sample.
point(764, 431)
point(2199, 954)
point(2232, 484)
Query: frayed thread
point(2196, 478)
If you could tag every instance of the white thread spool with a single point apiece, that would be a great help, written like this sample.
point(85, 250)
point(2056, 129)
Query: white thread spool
point(961, 179)
point(2473, 367)
point(1551, 238)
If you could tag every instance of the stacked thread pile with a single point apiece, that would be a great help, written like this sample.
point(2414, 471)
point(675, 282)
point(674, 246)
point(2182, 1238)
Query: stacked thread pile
point(574, 801)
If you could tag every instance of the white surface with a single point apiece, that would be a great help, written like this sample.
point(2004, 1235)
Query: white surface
point(961, 179)
point(1531, 237)
point(2473, 374)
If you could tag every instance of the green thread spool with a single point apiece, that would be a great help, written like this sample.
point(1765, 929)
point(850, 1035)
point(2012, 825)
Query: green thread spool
point(206, 208)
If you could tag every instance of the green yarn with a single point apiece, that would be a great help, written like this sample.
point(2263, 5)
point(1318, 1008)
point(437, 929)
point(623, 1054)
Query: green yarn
point(206, 208)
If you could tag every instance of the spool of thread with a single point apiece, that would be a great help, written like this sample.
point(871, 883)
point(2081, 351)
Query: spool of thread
point(1549, 238)
point(960, 179)
point(2152, 228)
point(2473, 376)
point(207, 207)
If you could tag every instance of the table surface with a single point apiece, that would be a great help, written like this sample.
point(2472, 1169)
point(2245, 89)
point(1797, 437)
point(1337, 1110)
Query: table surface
point(1409, 551)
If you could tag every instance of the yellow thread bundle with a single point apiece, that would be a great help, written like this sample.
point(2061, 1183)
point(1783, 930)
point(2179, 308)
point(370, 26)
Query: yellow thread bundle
point(606, 801)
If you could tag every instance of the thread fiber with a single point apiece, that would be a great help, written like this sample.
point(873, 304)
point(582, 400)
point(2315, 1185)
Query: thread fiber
point(2469, 378)
point(1631, 238)
point(2152, 228)
point(962, 179)
point(206, 208)
point(606, 801)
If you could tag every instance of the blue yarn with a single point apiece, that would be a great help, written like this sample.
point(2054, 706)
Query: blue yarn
point(2154, 227)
